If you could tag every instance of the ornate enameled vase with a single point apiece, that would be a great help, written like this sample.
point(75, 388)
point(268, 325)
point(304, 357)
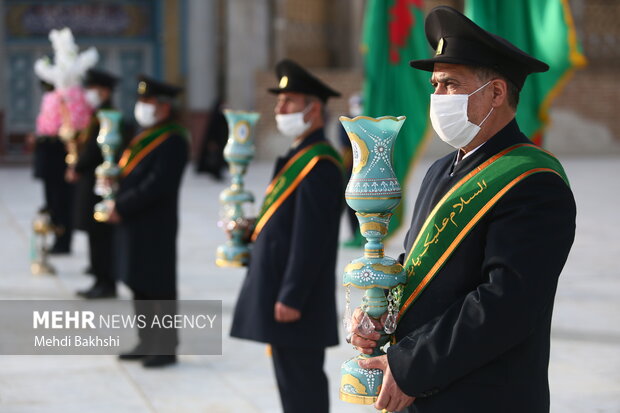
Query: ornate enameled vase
point(373, 192)
point(238, 152)
point(109, 141)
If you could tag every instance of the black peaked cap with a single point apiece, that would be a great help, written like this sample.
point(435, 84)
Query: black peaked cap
point(96, 77)
point(149, 87)
point(458, 40)
point(294, 78)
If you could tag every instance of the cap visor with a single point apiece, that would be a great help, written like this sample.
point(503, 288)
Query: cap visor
point(429, 64)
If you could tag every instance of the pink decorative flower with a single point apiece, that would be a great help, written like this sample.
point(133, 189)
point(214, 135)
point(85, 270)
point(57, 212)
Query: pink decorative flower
point(79, 110)
point(50, 116)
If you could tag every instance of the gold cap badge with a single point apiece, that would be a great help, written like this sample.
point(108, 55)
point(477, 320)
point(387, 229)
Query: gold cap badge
point(439, 47)
point(283, 82)
point(142, 87)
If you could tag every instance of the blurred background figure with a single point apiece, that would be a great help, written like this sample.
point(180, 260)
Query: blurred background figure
point(99, 87)
point(40, 157)
point(64, 111)
point(211, 155)
point(147, 213)
point(50, 167)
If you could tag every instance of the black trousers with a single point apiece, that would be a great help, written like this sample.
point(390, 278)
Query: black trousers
point(156, 340)
point(59, 201)
point(58, 192)
point(101, 250)
point(301, 380)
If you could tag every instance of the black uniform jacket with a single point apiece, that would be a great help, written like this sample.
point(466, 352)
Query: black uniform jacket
point(477, 339)
point(148, 203)
point(293, 261)
point(89, 157)
point(49, 159)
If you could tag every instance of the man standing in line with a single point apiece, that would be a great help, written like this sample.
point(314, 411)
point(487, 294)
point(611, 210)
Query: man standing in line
point(50, 166)
point(492, 228)
point(288, 297)
point(99, 87)
point(146, 210)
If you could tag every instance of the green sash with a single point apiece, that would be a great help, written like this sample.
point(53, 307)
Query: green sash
point(144, 143)
point(289, 177)
point(463, 206)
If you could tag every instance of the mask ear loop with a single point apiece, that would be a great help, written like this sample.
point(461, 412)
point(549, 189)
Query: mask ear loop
point(481, 87)
point(488, 114)
point(307, 108)
point(485, 118)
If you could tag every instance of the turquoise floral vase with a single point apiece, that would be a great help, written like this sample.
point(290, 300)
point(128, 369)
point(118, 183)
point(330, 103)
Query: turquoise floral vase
point(109, 140)
point(238, 152)
point(373, 192)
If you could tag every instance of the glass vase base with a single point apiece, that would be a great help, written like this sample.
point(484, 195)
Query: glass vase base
point(40, 268)
point(359, 385)
point(356, 399)
point(101, 212)
point(229, 255)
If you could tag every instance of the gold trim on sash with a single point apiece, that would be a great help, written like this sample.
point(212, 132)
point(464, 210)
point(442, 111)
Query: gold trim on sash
point(127, 167)
point(127, 152)
point(457, 240)
point(305, 171)
point(460, 183)
point(286, 166)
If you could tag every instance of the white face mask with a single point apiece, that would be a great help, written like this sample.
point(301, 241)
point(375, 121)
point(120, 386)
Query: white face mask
point(292, 124)
point(449, 118)
point(145, 114)
point(92, 98)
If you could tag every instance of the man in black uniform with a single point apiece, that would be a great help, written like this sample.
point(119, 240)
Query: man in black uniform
point(211, 155)
point(146, 209)
point(492, 228)
point(99, 87)
point(50, 167)
point(288, 297)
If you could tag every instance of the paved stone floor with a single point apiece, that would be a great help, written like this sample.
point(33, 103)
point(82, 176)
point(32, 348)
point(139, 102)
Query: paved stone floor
point(585, 360)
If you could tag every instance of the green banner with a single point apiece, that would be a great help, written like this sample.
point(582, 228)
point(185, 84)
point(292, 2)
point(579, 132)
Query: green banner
point(544, 29)
point(393, 35)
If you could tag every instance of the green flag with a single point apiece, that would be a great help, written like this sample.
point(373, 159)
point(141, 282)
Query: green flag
point(544, 29)
point(394, 35)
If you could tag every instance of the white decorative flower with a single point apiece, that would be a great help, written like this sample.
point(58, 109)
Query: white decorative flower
point(69, 65)
point(366, 275)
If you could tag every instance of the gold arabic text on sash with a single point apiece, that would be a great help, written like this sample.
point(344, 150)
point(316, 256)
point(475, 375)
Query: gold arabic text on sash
point(462, 207)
